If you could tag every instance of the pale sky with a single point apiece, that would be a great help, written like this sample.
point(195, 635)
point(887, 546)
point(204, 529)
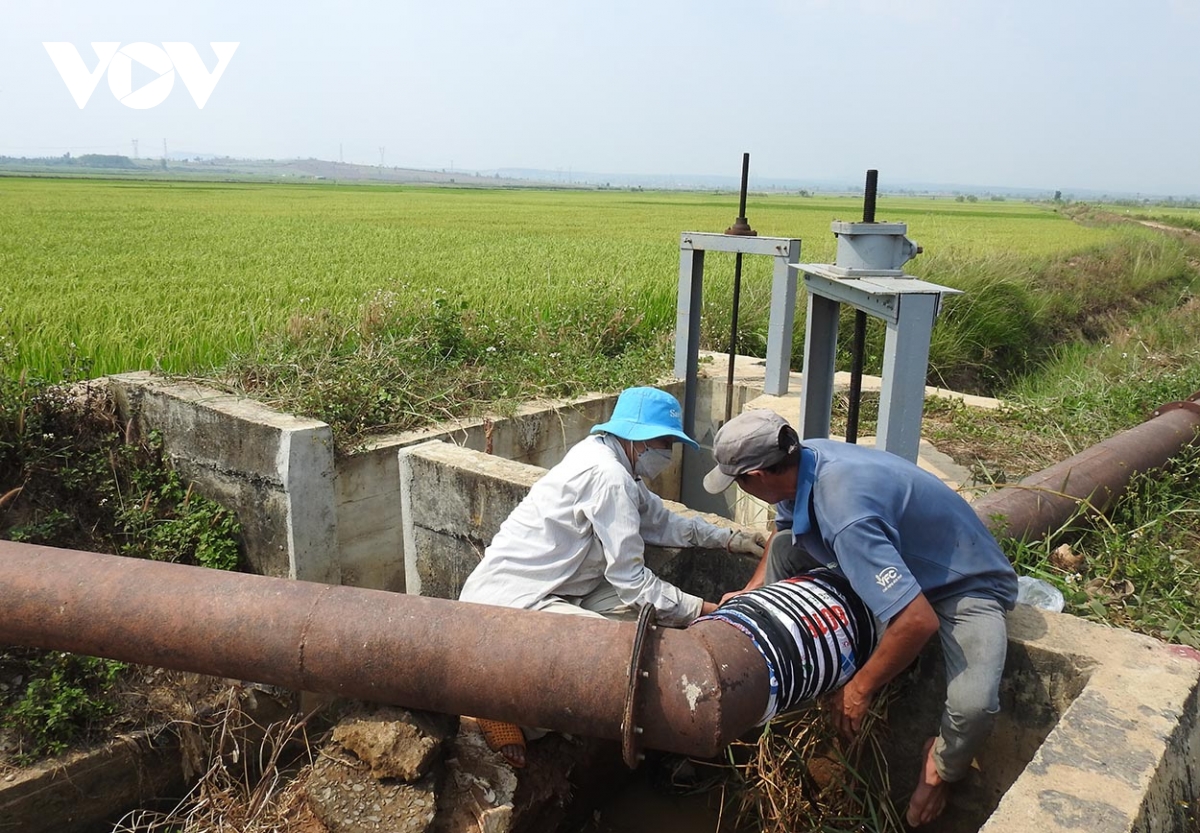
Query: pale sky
point(1052, 94)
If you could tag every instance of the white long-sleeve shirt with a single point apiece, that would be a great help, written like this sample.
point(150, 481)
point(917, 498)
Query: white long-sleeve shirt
point(586, 522)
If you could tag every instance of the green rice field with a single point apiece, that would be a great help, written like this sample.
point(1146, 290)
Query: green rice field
point(182, 276)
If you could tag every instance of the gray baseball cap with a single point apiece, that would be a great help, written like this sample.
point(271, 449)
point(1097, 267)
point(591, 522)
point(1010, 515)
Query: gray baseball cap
point(748, 442)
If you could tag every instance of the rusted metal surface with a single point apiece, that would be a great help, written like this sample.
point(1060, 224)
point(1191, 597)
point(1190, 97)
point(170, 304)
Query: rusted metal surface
point(566, 673)
point(1045, 501)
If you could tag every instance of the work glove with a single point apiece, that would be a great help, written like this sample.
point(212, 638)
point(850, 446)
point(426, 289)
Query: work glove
point(751, 543)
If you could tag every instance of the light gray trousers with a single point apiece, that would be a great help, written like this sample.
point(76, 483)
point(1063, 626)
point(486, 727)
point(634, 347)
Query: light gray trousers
point(603, 602)
point(974, 643)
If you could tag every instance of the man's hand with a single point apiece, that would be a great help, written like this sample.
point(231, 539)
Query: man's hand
point(730, 595)
point(750, 543)
point(906, 633)
point(707, 607)
point(847, 708)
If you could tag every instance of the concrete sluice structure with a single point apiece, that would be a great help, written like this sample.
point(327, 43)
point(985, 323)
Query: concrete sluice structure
point(1098, 730)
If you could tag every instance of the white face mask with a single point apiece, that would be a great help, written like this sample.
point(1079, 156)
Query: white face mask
point(652, 462)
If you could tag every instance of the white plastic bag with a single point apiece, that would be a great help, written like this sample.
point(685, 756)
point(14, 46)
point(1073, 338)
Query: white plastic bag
point(1040, 594)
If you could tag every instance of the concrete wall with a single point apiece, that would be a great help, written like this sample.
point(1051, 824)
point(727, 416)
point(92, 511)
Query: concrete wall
point(275, 470)
point(1171, 799)
point(370, 522)
point(312, 514)
point(1123, 755)
point(455, 499)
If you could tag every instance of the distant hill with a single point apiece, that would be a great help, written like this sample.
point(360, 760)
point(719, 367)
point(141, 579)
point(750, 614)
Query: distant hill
point(208, 166)
point(201, 166)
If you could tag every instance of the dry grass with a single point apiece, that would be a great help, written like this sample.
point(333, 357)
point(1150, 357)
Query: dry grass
point(244, 782)
point(800, 775)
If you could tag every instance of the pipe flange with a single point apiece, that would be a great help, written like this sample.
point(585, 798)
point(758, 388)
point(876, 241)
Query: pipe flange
point(1185, 405)
point(630, 732)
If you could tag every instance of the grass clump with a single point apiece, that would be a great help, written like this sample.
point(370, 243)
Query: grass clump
point(1016, 313)
point(398, 366)
point(244, 774)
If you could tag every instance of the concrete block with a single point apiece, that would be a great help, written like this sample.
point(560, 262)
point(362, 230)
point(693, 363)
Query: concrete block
point(441, 562)
point(1121, 756)
point(275, 470)
point(370, 539)
point(454, 501)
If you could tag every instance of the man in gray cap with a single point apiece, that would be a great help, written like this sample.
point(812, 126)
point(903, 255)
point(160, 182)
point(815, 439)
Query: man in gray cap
point(911, 547)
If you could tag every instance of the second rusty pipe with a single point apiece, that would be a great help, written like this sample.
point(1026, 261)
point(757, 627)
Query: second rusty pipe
point(1049, 499)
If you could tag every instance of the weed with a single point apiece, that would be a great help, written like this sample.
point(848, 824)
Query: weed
point(441, 360)
point(73, 480)
point(61, 697)
point(244, 777)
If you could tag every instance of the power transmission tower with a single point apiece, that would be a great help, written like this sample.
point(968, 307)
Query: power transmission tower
point(135, 156)
point(381, 150)
point(341, 158)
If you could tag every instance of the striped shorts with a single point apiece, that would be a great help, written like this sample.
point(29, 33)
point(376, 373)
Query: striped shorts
point(812, 630)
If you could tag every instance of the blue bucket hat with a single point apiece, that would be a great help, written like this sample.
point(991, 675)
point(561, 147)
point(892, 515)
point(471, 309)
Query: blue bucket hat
point(644, 414)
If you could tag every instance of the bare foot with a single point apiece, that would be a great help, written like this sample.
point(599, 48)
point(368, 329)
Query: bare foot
point(929, 798)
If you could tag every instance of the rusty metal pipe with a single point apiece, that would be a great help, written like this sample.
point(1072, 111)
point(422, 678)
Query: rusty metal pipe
point(703, 686)
point(1044, 502)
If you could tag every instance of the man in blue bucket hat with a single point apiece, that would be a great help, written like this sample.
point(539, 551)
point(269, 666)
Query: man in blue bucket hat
point(576, 543)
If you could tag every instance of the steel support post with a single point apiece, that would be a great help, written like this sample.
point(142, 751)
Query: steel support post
point(820, 351)
point(905, 362)
point(783, 320)
point(692, 246)
point(689, 303)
